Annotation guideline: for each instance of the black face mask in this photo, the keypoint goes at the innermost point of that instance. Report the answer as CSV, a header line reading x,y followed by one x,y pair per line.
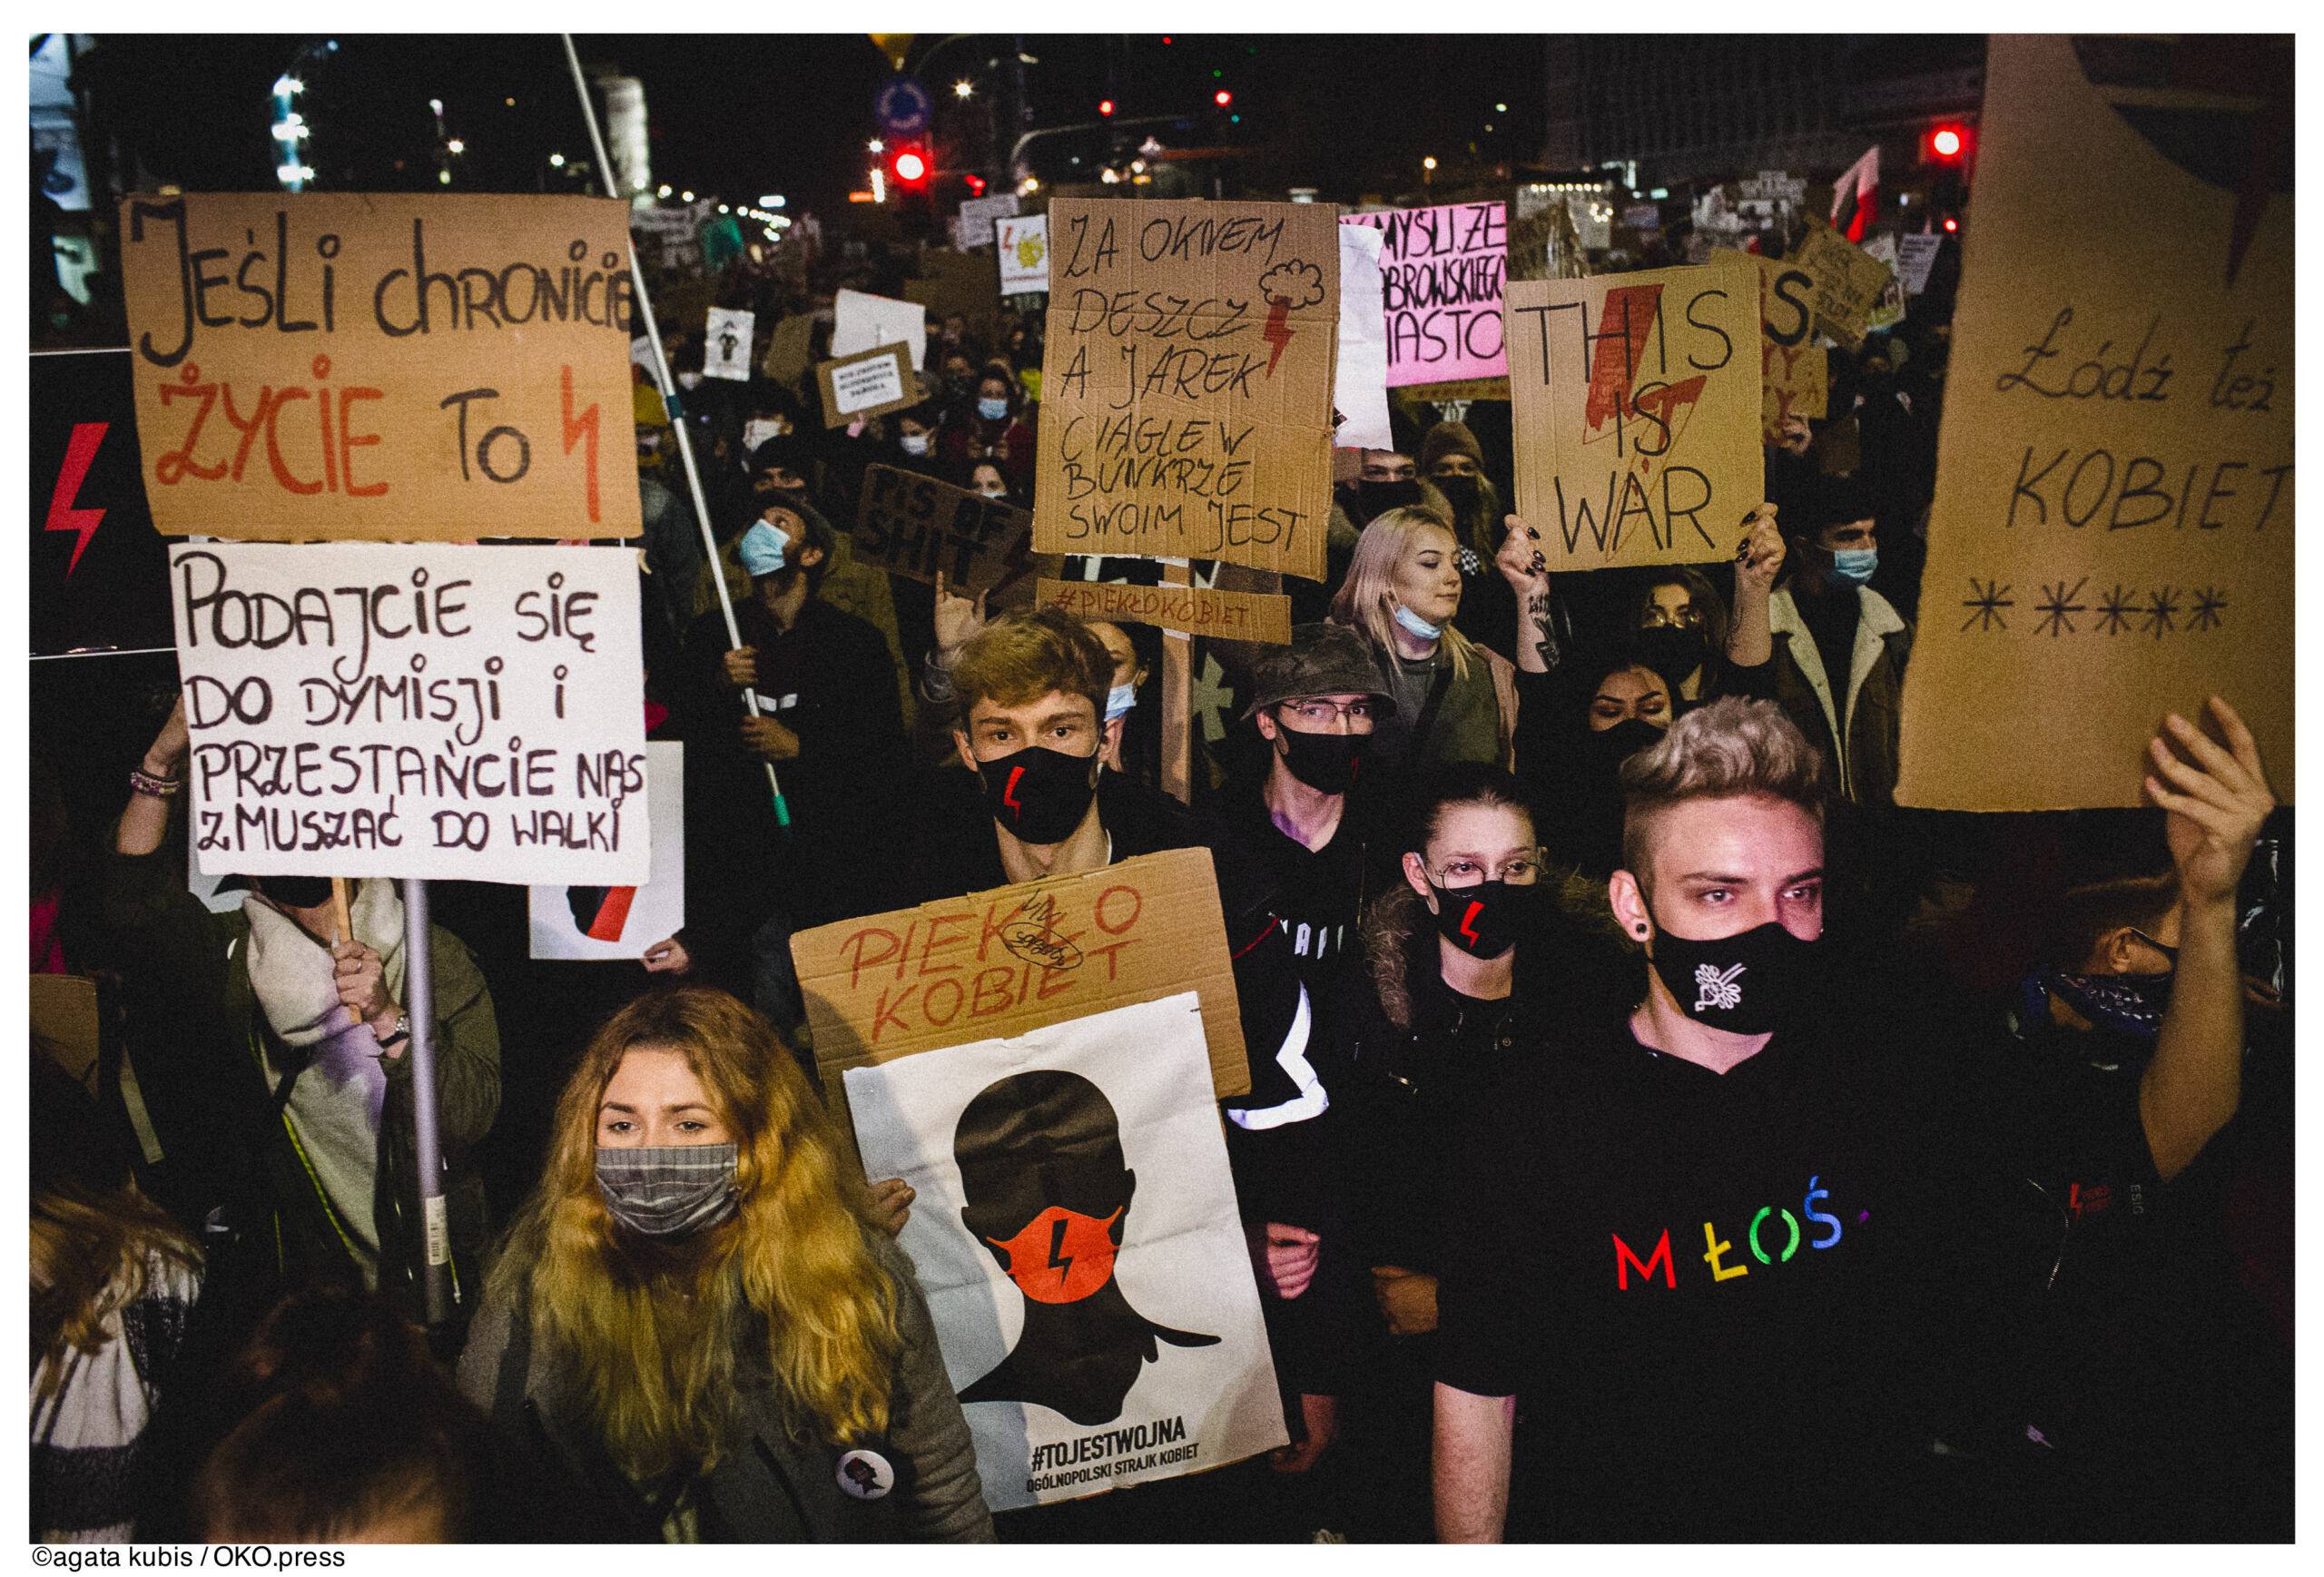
x,y
1608,748
1750,984
1373,500
1038,793
1485,920
1673,651
1326,762
294,892
1460,492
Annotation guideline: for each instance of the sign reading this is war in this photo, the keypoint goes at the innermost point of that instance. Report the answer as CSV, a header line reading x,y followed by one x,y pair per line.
x,y
1014,958
1023,246
1637,413
1795,374
1077,1234
424,710
918,527
1195,610
386,367
1186,389
1848,283
1440,277
2111,533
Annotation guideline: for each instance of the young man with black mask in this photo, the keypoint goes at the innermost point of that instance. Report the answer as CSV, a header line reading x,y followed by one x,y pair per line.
x,y
1032,688
1772,1186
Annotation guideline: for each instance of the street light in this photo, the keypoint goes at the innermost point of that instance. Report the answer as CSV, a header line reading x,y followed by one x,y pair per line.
x,y
557,161
1429,163
457,146
876,145
965,88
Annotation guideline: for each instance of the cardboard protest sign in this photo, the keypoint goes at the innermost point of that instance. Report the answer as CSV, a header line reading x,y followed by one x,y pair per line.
x,y
1795,375
1637,413
1847,284
1024,254
916,525
100,573
1077,1236
868,383
974,220
1015,957
726,344
1188,382
1916,255
618,923
1359,377
2111,535
1888,310
789,349
422,710
1235,616
861,321
966,282
1441,274
388,367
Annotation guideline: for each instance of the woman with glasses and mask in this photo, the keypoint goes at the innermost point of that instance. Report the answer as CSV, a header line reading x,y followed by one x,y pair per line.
x,y
1468,962
697,1331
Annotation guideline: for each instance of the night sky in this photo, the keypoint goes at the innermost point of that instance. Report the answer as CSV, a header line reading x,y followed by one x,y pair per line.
x,y
746,114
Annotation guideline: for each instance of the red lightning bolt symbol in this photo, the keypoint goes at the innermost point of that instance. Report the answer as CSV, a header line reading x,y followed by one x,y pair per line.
x,y
1278,332
1470,920
1009,794
79,454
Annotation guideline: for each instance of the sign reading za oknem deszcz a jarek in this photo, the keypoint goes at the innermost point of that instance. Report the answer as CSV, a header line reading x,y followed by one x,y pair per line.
x,y
1636,407
416,709
1187,387
382,367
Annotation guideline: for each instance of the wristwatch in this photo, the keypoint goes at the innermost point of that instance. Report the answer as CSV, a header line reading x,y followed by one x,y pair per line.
x,y
402,1031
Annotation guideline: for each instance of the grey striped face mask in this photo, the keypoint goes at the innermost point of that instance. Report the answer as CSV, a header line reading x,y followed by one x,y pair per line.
x,y
668,1191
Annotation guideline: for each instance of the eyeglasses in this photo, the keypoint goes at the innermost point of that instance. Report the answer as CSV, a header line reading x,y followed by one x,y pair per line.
x,y
1661,618
1322,713
1518,873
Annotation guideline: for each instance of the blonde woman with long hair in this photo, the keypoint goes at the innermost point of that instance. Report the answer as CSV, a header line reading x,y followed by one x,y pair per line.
x,y
696,1331
1455,700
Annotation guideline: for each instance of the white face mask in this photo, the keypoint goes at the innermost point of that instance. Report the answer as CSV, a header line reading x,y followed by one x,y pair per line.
x,y
756,433
993,492
914,443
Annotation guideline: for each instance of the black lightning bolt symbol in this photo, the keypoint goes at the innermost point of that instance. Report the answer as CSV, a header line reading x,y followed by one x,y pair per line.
x,y
1059,1260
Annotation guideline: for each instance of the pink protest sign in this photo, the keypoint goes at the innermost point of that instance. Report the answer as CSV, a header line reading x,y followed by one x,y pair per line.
x,y
1440,273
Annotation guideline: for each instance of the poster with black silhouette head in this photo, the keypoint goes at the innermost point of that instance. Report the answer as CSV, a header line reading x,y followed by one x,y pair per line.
x,y
1077,1236
606,924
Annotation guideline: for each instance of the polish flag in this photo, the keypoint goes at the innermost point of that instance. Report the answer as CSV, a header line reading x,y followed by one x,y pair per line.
x,y
1861,180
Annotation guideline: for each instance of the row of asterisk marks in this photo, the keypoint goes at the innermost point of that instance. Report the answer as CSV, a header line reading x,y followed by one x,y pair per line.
x,y
2065,610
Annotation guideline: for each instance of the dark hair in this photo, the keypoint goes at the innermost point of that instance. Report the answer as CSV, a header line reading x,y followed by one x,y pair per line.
x,y
2085,914
343,1420
1460,782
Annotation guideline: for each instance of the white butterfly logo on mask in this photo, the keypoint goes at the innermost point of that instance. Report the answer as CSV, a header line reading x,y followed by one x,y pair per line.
x,y
1716,987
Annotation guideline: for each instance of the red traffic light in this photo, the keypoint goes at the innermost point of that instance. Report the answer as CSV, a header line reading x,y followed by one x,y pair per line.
x,y
910,166
1951,224
1947,142
1104,107
975,185
1222,98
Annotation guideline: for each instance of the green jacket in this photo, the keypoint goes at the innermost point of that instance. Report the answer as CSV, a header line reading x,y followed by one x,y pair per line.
x,y
1864,754
201,961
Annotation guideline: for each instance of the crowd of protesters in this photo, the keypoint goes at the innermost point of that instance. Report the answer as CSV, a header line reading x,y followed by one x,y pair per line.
x,y
1655,1132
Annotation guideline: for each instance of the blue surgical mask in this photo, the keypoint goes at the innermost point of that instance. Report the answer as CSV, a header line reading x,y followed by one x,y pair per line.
x,y
1854,565
1417,625
1120,700
992,409
762,550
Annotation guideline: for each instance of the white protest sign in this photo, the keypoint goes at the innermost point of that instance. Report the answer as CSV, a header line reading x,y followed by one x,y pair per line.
x,y
413,709
1360,380
1593,220
1915,255
975,223
1077,1236
859,386
614,923
863,322
1024,246
1889,310
726,344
